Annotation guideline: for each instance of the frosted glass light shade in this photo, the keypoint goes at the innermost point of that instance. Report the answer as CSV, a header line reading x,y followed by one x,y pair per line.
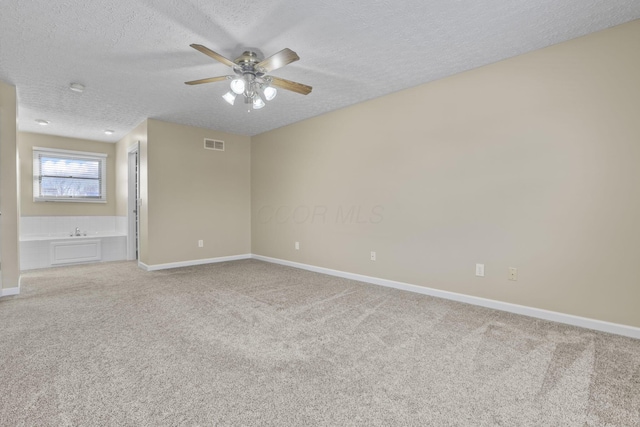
x,y
237,85
230,97
270,93
258,103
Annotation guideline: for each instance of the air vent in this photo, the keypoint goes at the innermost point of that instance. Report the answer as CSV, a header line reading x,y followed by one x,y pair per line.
x,y
212,144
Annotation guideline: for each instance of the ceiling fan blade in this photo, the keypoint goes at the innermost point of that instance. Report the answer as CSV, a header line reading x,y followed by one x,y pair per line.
x,y
292,86
209,80
278,60
213,54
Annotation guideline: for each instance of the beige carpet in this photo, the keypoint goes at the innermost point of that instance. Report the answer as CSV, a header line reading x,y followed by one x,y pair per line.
x,y
251,343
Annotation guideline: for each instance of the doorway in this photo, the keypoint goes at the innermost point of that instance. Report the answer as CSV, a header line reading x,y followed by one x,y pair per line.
x,y
133,202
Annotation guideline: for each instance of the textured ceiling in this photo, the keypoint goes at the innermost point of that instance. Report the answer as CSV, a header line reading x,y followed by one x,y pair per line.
x,y
133,56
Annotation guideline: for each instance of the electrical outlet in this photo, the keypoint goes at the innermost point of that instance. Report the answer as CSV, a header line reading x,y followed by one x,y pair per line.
x,y
201,243
480,270
513,273
373,256
297,246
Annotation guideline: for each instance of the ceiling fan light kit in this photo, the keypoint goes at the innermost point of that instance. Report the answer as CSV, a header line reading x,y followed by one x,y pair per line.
x,y
251,79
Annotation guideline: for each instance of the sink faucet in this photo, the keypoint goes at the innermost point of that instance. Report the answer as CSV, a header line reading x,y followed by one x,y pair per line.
x,y
77,231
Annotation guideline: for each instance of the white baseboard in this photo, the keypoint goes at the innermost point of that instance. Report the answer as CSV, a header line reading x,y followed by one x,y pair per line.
x,y
584,322
9,291
155,267
6,292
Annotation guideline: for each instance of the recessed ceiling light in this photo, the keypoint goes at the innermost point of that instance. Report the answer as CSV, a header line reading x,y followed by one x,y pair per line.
x,y
109,132
42,122
77,87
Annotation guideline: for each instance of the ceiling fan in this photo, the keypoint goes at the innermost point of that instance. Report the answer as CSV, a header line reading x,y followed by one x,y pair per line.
x,y
251,79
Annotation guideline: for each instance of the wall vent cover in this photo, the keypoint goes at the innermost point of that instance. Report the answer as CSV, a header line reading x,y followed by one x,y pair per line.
x,y
213,144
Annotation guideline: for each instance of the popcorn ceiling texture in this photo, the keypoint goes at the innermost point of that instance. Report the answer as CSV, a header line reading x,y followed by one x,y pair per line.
x,y
134,55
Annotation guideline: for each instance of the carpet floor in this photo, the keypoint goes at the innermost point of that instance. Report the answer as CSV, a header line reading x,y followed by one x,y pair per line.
x,y
251,343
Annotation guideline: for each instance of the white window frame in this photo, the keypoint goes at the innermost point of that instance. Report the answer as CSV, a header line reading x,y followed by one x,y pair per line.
x,y
69,154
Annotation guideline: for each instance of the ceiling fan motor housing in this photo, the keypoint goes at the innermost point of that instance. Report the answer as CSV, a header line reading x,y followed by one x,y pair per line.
x,y
247,64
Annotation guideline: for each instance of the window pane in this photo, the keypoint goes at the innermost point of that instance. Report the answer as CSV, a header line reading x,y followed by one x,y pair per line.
x,y
52,166
69,187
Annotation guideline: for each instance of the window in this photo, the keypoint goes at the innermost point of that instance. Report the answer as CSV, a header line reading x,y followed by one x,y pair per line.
x,y
69,176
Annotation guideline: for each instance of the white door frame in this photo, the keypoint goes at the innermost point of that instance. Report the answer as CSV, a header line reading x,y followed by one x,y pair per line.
x,y
133,197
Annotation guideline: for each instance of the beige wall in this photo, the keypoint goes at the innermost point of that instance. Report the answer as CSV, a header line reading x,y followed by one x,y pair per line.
x,y
194,194
26,142
530,163
10,218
